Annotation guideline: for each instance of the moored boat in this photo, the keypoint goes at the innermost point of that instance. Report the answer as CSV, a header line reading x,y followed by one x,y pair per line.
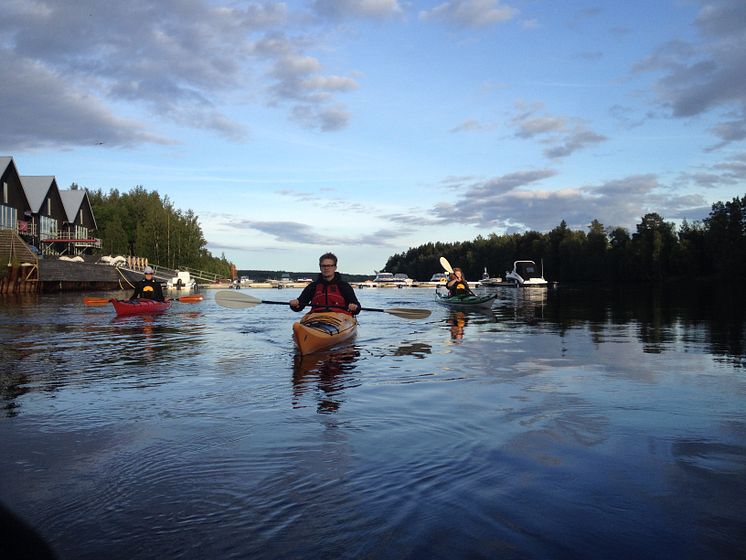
x,y
182,281
465,302
323,330
526,274
490,281
139,306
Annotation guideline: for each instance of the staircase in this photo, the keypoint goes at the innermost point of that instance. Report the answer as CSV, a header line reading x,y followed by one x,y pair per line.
x,y
19,265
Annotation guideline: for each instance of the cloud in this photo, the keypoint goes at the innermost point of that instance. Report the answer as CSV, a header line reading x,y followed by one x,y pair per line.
x,y
724,173
336,204
696,78
292,232
178,60
472,125
471,13
295,232
40,108
563,136
504,203
297,79
342,9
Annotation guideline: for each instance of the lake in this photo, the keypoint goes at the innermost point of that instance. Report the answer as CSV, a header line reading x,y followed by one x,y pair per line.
x,y
569,423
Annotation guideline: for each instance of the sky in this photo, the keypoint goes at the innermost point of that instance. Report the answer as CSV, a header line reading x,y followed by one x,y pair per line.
x,y
368,127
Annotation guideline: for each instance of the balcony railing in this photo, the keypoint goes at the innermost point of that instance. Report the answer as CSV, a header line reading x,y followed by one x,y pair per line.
x,y
69,237
22,227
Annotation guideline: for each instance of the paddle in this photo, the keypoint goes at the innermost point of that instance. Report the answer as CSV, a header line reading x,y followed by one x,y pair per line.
x,y
105,301
238,300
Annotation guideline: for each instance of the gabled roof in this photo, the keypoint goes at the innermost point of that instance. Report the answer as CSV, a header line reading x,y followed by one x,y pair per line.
x,y
36,188
72,200
5,161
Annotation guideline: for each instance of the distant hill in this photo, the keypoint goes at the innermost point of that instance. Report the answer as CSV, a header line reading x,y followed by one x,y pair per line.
x,y
260,275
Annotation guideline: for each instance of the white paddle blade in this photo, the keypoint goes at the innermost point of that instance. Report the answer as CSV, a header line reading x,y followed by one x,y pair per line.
x,y
406,313
235,300
446,265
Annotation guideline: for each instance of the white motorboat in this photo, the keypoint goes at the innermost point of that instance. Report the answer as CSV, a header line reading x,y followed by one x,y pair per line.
x,y
437,279
526,274
391,280
182,281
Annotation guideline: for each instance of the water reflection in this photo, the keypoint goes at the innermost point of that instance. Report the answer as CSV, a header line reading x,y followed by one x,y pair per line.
x,y
662,316
53,342
521,304
457,321
327,375
417,349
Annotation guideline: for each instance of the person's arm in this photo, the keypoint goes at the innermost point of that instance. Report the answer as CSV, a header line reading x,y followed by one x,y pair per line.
x,y
304,298
159,292
138,291
349,294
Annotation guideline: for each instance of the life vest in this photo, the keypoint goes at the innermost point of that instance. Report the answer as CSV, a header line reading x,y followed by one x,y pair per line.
x,y
327,297
459,288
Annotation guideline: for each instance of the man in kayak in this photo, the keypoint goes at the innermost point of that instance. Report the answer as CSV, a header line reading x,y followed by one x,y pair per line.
x,y
457,285
148,288
328,292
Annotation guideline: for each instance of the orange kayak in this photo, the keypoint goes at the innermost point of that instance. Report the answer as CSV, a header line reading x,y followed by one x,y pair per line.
x,y
320,331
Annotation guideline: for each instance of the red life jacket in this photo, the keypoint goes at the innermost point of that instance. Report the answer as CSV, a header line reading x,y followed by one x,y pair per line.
x,y
327,297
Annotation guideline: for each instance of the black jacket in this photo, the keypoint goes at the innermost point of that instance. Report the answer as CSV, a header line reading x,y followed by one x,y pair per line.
x,y
344,288
148,289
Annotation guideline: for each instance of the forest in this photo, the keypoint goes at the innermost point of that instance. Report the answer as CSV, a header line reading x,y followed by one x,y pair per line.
x,y
657,251
144,224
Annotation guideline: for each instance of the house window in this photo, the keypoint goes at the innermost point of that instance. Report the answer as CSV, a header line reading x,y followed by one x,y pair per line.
x,y
48,227
81,215
49,206
7,217
5,192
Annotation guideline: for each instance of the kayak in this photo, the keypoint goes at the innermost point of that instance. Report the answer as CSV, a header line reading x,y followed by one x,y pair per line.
x,y
466,302
139,306
319,331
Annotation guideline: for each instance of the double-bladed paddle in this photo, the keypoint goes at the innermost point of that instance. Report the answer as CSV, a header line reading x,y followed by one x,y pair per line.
x,y
105,301
238,300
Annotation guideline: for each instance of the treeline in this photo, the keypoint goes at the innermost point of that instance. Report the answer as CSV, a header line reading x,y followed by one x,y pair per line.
x,y
144,224
657,250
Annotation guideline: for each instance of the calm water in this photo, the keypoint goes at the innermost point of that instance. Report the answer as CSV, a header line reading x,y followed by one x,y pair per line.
x,y
569,424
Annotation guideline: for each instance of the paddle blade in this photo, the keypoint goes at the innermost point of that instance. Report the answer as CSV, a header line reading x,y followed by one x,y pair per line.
x,y
95,301
190,299
406,313
446,265
235,300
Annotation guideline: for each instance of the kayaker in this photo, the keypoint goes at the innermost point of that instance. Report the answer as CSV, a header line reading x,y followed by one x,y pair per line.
x,y
457,284
148,288
328,292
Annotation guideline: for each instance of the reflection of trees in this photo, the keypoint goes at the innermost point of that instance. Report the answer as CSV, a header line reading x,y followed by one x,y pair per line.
x,y
692,313
329,372
12,381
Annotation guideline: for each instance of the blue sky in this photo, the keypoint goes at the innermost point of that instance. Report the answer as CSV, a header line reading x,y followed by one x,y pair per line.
x,y
369,127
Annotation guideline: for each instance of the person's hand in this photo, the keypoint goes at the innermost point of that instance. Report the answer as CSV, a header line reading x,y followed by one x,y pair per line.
x,y
293,303
353,307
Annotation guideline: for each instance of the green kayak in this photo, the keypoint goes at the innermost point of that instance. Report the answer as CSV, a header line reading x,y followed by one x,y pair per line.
x,y
466,302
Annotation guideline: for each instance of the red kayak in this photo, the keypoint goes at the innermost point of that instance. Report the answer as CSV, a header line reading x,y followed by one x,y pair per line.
x,y
139,306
